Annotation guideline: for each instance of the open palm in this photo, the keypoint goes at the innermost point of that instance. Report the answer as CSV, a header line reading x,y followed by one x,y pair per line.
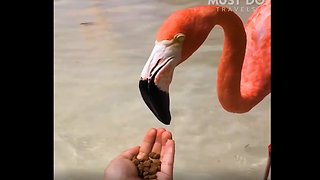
x,y
155,140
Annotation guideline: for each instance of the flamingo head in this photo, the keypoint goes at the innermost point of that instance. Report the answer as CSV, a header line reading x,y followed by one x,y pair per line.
x,y
157,75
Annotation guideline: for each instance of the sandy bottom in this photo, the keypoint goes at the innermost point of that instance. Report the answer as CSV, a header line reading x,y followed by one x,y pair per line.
x,y
99,111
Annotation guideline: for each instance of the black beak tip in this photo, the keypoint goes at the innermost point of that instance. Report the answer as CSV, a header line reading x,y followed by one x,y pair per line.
x,y
157,100
166,119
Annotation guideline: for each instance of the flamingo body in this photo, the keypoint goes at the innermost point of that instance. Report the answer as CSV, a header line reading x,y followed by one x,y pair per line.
x,y
256,70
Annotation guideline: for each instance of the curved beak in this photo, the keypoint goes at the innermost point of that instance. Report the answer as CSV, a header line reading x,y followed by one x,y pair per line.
x,y
156,77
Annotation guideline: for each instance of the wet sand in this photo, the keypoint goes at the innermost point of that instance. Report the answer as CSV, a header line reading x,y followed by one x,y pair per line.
x,y
100,50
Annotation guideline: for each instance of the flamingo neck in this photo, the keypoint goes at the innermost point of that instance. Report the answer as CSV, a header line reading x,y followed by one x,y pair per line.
x,y
196,23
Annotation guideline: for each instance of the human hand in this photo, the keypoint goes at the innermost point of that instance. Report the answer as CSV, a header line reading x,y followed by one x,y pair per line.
x,y
155,140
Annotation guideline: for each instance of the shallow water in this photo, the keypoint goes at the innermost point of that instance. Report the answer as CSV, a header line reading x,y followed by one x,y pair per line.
x,y
100,50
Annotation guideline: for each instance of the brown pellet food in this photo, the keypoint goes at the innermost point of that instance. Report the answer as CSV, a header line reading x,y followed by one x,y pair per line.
x,y
148,166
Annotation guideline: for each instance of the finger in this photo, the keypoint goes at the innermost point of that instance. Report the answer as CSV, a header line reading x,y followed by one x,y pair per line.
x,y
165,136
130,152
168,158
147,143
158,143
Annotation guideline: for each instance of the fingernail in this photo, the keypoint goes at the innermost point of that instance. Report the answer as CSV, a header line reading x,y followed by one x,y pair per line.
x,y
140,156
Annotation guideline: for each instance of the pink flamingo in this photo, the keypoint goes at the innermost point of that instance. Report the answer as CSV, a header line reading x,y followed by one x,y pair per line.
x,y
244,70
